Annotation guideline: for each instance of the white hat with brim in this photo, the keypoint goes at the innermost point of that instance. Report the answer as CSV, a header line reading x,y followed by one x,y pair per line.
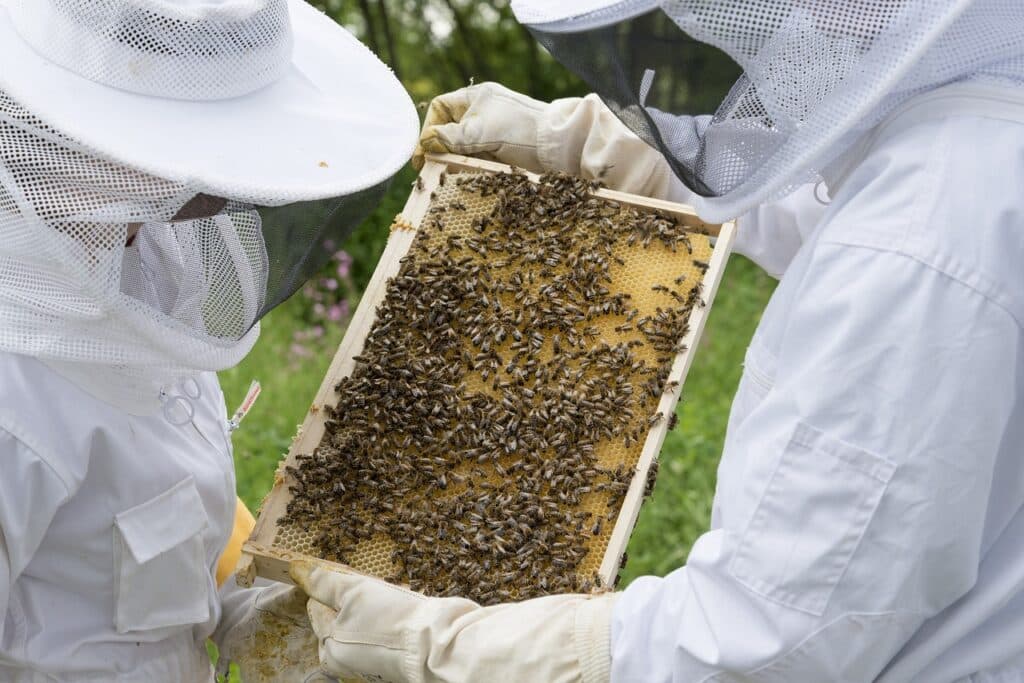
x,y
331,122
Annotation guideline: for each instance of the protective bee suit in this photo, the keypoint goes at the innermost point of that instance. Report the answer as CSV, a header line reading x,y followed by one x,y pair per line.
x,y
869,513
169,172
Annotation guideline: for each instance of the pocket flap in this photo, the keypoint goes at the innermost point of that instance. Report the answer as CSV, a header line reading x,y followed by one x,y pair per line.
x,y
164,522
809,522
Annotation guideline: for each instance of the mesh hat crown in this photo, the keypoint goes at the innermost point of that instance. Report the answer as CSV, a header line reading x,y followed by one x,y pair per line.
x,y
269,100
183,49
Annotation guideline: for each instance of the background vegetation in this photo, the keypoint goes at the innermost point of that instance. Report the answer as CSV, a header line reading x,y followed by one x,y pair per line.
x,y
439,45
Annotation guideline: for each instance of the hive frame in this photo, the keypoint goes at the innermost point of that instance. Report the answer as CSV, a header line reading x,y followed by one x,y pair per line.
x,y
261,558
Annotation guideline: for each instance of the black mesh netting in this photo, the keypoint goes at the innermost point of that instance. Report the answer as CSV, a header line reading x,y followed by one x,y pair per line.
x,y
301,239
663,84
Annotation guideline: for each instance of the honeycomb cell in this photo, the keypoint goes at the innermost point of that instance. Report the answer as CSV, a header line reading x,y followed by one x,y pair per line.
x,y
638,270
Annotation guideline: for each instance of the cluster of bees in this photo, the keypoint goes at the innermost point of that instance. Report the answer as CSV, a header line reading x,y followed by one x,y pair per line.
x,y
472,436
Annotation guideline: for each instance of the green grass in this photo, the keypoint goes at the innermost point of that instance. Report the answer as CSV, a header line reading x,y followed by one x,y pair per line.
x,y
670,521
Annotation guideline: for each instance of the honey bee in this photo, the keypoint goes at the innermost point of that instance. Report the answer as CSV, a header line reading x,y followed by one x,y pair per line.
x,y
463,438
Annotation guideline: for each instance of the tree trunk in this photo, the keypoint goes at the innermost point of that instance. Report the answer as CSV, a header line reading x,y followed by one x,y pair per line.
x,y
468,38
389,38
532,61
371,26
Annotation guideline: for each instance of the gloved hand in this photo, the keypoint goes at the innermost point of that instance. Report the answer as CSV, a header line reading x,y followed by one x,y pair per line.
x,y
372,629
575,135
274,643
487,120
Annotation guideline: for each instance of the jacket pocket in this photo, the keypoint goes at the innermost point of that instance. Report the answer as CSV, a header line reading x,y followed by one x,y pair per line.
x,y
814,511
162,580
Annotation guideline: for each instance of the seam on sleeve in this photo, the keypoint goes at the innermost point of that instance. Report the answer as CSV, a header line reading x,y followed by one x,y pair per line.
x,y
781,660
26,440
872,465
999,302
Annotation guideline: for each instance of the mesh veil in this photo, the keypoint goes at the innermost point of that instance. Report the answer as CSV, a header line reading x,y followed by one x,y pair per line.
x,y
812,76
186,295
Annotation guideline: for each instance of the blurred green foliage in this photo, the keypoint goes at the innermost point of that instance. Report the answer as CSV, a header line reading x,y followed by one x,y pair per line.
x,y
435,46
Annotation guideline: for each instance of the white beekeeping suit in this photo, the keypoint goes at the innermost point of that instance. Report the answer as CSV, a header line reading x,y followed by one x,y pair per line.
x,y
169,172
868,522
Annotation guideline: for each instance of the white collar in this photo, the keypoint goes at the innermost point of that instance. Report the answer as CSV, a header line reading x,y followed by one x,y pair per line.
x,y
112,385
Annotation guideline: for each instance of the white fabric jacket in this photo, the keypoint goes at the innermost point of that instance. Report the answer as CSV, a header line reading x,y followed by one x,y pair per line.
x,y
110,530
868,521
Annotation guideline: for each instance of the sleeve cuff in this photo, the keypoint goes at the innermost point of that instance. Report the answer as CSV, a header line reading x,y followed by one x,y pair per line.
x,y
593,638
560,138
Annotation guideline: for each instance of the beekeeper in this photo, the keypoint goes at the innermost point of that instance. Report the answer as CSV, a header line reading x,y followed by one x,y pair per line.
x,y
868,522
170,170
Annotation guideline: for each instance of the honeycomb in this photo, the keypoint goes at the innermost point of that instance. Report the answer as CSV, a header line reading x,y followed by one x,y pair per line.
x,y
637,271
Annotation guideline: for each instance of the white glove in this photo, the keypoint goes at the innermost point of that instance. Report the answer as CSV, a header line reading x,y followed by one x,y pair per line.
x,y
487,120
573,135
273,642
376,630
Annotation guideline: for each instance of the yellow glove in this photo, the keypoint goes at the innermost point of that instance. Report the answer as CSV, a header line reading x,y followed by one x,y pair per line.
x,y
372,629
244,524
269,638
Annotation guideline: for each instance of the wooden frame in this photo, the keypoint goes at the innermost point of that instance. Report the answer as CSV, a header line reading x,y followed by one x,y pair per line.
x,y
260,558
